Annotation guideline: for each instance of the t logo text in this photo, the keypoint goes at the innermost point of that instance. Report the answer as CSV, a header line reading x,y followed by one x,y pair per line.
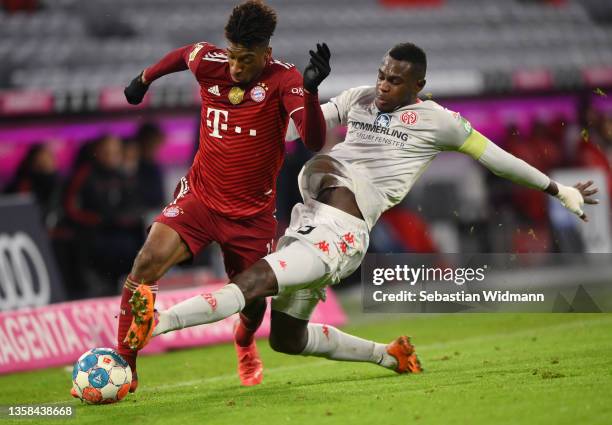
x,y
215,123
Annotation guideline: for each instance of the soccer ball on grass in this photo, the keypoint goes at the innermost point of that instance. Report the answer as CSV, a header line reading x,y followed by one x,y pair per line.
x,y
100,376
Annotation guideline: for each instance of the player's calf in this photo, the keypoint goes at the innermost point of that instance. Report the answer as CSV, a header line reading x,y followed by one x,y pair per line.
x,y
162,249
331,343
288,334
149,263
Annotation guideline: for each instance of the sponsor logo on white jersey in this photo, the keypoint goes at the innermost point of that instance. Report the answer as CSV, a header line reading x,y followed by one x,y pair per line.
x,y
214,90
409,117
383,120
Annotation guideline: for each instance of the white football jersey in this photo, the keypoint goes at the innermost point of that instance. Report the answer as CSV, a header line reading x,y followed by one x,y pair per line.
x,y
383,154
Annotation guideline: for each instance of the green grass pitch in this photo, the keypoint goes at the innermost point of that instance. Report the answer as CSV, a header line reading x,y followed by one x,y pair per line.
x,y
480,369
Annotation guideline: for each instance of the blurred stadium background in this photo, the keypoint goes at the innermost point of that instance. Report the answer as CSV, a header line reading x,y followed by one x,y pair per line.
x,y
83,172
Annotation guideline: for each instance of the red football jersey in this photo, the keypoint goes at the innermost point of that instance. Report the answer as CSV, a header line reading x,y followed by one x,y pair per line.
x,y
242,129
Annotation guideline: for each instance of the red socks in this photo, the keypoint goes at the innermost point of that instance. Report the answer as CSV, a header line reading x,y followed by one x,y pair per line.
x,y
125,320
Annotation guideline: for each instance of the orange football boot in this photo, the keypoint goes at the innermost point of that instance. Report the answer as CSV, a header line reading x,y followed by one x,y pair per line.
x,y
403,351
250,366
144,318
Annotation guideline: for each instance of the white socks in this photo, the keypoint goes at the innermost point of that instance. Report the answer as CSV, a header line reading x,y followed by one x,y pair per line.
x,y
329,342
323,341
205,308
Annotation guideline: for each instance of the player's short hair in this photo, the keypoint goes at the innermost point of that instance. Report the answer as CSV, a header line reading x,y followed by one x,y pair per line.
x,y
251,24
412,53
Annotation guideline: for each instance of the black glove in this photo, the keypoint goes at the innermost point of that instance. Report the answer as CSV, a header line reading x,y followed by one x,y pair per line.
x,y
136,90
318,68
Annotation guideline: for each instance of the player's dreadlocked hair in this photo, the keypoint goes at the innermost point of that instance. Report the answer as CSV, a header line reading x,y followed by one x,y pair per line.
x,y
251,24
412,53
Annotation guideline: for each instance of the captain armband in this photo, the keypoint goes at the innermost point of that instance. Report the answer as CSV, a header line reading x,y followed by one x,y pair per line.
x,y
474,145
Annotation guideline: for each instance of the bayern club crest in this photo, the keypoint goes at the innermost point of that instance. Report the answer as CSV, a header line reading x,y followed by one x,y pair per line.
x,y
258,94
172,211
383,120
409,117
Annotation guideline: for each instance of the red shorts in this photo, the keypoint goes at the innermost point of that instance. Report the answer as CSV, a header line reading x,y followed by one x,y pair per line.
x,y
242,241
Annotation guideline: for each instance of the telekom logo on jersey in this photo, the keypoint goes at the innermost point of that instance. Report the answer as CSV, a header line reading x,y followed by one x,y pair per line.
x,y
216,119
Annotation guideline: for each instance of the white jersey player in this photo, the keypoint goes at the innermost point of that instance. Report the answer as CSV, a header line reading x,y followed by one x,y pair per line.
x,y
392,137
384,154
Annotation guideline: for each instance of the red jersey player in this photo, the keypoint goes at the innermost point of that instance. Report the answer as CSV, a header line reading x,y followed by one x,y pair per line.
x,y
228,195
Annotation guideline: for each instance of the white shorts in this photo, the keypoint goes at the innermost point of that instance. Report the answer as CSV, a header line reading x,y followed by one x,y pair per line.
x,y
321,246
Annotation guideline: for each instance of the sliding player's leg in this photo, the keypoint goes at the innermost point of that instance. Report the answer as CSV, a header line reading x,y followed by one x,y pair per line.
x,y
291,335
259,281
162,249
310,257
325,232
244,243
283,272
291,332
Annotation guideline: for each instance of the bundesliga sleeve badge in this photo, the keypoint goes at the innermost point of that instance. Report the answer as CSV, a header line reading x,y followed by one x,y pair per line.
x,y
235,96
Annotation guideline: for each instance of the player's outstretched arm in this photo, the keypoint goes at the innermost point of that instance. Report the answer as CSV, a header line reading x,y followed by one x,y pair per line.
x,y
508,166
173,62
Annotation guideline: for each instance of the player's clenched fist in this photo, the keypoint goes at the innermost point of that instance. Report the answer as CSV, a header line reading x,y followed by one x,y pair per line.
x,y
318,68
135,91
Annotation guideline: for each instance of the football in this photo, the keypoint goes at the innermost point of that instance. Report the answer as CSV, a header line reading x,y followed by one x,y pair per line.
x,y
100,376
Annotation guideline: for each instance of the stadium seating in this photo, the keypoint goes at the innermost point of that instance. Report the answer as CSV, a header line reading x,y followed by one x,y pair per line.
x,y
66,46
